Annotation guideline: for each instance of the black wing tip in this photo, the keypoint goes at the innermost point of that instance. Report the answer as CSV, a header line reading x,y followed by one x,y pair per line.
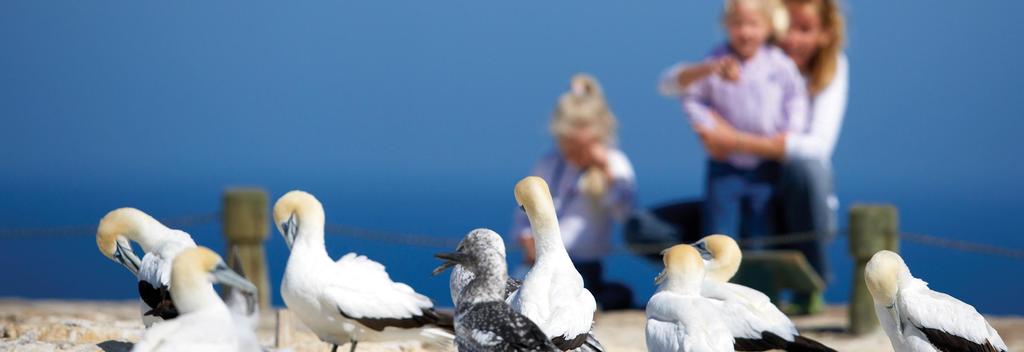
x,y
801,343
770,341
566,344
427,317
949,342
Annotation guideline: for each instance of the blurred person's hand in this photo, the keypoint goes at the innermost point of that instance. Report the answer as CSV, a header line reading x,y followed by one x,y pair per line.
x,y
720,139
598,155
529,251
728,68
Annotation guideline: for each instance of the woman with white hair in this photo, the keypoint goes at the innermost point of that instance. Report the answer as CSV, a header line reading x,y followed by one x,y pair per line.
x,y
592,185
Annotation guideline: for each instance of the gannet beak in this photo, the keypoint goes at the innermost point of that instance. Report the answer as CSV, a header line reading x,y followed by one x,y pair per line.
x,y
224,275
450,260
660,278
290,229
894,311
126,256
702,248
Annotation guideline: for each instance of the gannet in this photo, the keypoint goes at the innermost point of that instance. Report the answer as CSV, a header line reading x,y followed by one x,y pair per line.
x,y
755,322
483,321
552,294
160,245
918,319
679,318
350,300
204,323
461,276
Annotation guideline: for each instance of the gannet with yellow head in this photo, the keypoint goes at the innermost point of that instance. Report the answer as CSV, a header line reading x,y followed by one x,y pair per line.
x,y
679,318
755,323
205,323
353,299
918,319
552,294
722,256
160,244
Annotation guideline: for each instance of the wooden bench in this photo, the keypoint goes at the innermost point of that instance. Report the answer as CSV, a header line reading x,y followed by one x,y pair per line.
x,y
771,271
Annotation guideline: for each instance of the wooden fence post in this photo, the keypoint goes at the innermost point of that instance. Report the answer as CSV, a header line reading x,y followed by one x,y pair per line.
x,y
245,218
872,228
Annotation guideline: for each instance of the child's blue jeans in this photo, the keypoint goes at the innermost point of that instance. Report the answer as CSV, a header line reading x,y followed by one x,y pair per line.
x,y
738,202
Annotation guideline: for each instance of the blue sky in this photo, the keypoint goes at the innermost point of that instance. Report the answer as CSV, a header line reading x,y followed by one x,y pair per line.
x,y
415,116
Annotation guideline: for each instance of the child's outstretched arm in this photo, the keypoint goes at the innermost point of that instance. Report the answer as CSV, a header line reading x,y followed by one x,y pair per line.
x,y
675,80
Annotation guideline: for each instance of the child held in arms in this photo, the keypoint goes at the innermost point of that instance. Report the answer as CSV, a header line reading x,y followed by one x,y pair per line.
x,y
591,183
756,88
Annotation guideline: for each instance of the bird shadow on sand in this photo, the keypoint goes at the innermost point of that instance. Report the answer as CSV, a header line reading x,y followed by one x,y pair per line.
x,y
115,346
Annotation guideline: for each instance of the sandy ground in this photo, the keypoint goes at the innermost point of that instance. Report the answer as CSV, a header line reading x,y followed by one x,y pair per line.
x,y
33,325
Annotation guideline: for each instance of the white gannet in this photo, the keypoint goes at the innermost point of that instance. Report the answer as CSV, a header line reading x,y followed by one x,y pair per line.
x,y
461,276
350,300
552,294
204,323
483,321
918,319
679,318
755,322
160,245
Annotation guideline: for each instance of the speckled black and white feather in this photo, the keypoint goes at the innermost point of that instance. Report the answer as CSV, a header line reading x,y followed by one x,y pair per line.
x,y
483,321
494,326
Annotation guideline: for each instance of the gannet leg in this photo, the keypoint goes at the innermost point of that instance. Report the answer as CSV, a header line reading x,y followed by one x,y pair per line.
x,y
354,343
335,349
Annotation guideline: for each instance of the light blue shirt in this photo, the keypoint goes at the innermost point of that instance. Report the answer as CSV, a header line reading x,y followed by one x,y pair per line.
x,y
586,224
769,98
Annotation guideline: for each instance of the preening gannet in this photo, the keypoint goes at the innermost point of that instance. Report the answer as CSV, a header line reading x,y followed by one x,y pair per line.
x,y
160,245
679,318
552,294
204,323
918,319
350,300
483,321
755,322
461,276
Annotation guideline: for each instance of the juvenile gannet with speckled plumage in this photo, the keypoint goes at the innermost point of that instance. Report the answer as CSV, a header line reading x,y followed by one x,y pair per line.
x,y
755,322
160,245
552,294
679,318
483,321
205,323
918,319
350,300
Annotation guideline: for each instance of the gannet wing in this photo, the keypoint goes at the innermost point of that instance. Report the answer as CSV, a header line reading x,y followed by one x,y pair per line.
x,y
748,314
571,317
154,277
155,270
664,330
949,323
494,326
362,290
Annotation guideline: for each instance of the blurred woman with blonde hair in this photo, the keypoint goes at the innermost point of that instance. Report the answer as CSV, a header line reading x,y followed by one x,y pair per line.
x,y
591,182
813,40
